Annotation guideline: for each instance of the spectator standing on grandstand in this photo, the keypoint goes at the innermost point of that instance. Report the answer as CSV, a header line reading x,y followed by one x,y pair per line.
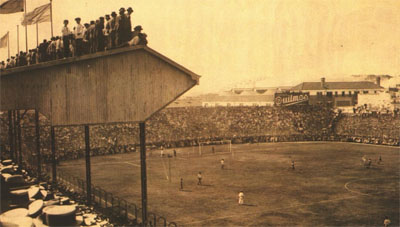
x,y
129,23
51,49
8,65
241,198
386,222
79,32
86,38
65,37
59,47
139,38
380,159
106,32
112,36
71,47
120,27
222,163
99,27
199,178
293,165
181,183
174,153
2,66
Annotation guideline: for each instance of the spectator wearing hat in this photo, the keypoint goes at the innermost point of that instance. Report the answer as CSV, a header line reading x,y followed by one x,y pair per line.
x,y
59,47
120,28
65,38
99,27
13,62
8,64
51,49
106,31
2,65
86,37
139,38
129,23
91,33
112,30
78,33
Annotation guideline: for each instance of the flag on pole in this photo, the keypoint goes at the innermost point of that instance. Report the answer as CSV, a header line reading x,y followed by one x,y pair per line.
x,y
11,6
4,40
38,15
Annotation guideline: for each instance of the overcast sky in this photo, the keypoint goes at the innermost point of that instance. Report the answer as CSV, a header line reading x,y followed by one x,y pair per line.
x,y
232,42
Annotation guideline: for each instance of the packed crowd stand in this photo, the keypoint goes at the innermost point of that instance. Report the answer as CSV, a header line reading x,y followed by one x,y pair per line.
x,y
106,33
180,127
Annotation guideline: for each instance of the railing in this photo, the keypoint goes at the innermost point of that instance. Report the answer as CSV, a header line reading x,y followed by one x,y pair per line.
x,y
117,209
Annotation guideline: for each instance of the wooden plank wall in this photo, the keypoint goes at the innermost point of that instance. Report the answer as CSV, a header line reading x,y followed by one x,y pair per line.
x,y
126,87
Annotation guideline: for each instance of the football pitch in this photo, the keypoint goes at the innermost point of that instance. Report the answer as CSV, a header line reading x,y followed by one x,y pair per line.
x,y
328,186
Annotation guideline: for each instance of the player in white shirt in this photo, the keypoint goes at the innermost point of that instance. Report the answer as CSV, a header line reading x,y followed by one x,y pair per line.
x,y
241,198
79,32
199,178
222,163
386,222
66,32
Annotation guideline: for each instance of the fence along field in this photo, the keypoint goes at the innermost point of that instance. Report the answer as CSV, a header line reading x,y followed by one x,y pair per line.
x,y
329,185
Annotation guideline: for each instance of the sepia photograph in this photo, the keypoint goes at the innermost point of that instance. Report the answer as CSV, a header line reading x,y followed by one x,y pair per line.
x,y
199,113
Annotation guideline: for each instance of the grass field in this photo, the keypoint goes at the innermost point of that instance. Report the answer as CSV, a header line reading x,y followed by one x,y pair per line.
x,y
329,185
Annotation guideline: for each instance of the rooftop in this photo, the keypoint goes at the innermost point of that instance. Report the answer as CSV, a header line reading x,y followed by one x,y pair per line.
x,y
336,85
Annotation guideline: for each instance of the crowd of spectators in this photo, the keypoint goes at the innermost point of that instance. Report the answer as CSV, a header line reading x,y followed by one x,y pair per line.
x,y
370,128
179,127
105,33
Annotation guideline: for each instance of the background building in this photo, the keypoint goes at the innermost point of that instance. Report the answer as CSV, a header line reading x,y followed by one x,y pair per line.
x,y
338,94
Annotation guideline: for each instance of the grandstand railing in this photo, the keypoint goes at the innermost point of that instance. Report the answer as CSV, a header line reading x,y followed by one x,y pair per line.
x,y
117,209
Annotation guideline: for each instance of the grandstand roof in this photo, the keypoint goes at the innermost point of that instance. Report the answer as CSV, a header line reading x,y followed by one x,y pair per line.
x,y
249,93
240,98
336,85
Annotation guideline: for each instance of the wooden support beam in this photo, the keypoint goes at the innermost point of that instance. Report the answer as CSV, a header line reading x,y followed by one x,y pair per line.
x,y
53,155
19,138
142,135
38,156
10,133
88,173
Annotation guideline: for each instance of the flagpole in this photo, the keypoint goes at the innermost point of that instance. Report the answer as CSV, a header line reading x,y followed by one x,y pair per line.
x,y
51,17
37,34
8,43
26,30
18,39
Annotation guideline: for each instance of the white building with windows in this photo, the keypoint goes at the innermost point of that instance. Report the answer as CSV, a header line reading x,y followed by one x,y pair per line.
x,y
338,94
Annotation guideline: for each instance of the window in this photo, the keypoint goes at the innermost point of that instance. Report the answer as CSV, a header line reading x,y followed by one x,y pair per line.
x,y
336,93
319,93
365,92
329,94
356,92
349,92
343,93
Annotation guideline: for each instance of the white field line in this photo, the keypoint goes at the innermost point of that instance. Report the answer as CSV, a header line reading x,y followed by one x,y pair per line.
x,y
346,186
132,164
